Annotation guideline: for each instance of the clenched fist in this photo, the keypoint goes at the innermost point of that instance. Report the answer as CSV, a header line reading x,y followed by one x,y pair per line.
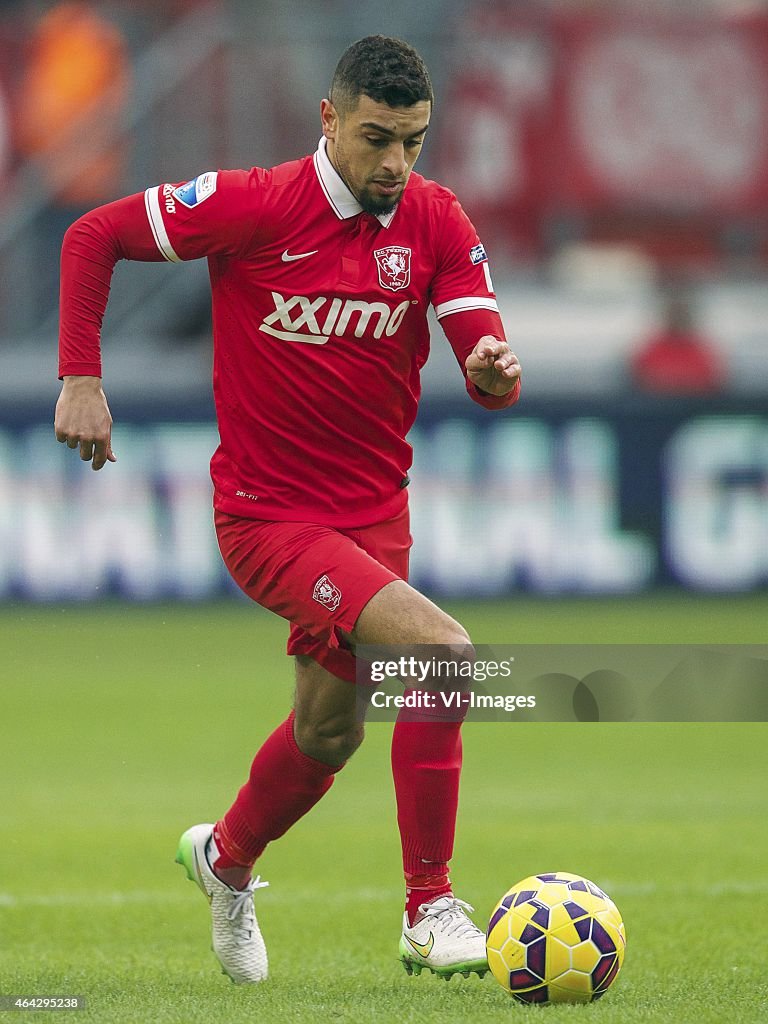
x,y
83,420
492,366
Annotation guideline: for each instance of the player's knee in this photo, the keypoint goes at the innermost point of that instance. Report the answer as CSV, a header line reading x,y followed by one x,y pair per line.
x,y
332,742
459,647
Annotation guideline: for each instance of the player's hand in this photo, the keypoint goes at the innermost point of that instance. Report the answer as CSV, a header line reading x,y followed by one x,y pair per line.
x,y
492,366
83,420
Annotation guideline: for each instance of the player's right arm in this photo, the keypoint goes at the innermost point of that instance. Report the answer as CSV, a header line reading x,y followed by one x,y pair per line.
x,y
214,214
83,419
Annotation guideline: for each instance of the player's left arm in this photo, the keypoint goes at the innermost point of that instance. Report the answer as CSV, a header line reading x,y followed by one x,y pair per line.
x,y
465,304
491,368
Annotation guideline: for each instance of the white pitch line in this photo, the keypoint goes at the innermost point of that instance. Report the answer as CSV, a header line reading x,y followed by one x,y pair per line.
x,y
90,899
729,887
139,896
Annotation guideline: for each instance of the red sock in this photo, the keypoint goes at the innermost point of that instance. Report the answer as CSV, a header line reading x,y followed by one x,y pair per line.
x,y
426,765
423,889
283,785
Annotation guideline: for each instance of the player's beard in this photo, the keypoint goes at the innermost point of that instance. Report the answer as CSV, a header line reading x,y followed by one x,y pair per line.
x,y
376,205
370,202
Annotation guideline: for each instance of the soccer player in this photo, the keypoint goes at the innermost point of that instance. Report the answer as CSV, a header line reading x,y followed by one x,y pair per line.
x,y
321,272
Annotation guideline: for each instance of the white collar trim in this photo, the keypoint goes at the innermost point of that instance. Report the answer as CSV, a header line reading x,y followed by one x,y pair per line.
x,y
341,200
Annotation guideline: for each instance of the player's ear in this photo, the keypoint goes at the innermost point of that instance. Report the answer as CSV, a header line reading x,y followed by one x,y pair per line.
x,y
330,119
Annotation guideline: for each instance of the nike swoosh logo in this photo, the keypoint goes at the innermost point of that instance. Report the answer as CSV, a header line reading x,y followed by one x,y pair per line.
x,y
424,950
288,258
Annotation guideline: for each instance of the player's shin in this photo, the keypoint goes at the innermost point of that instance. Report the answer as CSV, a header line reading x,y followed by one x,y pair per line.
x,y
284,783
426,763
426,766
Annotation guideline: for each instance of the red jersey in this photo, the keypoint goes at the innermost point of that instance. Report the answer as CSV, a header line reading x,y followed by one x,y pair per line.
x,y
319,320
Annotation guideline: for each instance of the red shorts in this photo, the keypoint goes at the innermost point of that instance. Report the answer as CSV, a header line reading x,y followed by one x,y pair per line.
x,y
318,577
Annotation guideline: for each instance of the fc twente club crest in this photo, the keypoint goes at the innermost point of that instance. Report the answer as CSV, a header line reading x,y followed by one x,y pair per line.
x,y
394,264
327,593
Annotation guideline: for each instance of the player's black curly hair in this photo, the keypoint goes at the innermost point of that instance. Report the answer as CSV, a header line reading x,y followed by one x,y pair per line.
x,y
386,69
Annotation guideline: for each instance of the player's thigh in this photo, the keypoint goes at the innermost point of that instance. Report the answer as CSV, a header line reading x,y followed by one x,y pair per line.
x,y
399,614
316,577
327,713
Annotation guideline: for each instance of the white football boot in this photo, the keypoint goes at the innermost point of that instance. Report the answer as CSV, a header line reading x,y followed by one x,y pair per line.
x,y
237,941
444,940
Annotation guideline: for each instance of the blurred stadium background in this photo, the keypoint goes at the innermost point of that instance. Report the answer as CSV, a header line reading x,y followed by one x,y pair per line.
x,y
616,164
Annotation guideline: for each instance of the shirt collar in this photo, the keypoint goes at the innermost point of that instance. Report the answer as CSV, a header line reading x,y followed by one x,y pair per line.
x,y
342,202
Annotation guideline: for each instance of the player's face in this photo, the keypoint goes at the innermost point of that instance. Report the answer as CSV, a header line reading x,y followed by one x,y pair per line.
x,y
374,147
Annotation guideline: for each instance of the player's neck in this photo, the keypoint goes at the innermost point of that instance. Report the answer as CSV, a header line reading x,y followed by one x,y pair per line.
x,y
330,149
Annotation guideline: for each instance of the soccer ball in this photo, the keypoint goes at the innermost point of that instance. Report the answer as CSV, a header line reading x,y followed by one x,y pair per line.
x,y
555,938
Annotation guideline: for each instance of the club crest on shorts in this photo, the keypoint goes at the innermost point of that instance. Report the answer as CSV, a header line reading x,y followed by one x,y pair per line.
x,y
394,266
327,593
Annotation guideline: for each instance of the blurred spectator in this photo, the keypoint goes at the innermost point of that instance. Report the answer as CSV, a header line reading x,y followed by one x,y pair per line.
x,y
71,102
8,48
78,67
677,360
5,140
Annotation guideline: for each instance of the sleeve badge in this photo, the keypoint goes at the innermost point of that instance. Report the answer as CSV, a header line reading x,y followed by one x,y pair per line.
x,y
477,254
197,190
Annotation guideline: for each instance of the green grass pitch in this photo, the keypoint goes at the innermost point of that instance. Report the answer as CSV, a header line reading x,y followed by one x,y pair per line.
x,y
121,726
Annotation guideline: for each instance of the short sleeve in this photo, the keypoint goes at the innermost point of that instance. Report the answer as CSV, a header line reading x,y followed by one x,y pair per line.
x,y
213,214
462,278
